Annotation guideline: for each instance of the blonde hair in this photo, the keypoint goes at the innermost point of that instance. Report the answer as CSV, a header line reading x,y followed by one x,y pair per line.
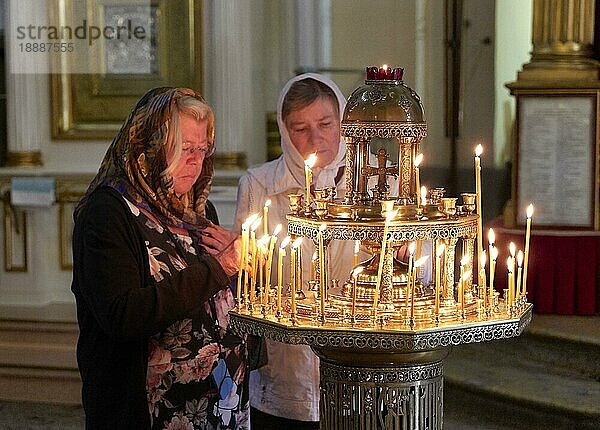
x,y
201,111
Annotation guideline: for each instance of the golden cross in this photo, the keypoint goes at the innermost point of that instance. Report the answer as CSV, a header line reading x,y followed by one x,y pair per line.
x,y
382,172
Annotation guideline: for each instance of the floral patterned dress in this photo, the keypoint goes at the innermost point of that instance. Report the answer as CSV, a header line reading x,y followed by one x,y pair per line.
x,y
197,375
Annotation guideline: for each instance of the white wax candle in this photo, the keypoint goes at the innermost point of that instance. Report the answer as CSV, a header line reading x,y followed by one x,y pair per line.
x,y
478,151
527,237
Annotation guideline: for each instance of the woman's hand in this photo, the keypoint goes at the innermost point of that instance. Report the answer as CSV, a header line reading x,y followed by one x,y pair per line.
x,y
224,246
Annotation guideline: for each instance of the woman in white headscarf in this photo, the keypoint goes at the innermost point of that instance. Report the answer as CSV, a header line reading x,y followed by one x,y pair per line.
x,y
285,392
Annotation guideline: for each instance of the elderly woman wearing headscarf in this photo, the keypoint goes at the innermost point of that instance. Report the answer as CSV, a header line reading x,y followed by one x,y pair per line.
x,y
285,392
150,277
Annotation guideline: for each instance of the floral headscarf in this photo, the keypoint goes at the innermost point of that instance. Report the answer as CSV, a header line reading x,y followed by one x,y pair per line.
x,y
135,163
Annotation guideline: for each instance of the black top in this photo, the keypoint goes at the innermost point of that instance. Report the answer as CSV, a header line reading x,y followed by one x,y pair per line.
x,y
119,306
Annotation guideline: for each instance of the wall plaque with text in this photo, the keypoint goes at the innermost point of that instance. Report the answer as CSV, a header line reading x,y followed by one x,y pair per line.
x,y
556,159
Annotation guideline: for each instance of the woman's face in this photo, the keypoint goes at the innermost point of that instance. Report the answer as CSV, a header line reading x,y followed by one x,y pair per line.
x,y
194,148
315,128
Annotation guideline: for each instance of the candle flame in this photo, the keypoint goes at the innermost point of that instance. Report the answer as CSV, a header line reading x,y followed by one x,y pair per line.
x,y
464,260
385,66
418,159
411,248
268,203
285,242
391,215
520,258
322,227
255,224
423,194
440,250
311,160
466,275
297,243
482,259
251,219
358,270
421,261
509,264
530,210
494,253
277,230
491,236
262,242
478,150
356,246
314,256
512,248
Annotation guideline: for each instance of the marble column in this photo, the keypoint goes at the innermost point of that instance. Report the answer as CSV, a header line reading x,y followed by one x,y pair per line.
x,y
229,81
25,80
313,34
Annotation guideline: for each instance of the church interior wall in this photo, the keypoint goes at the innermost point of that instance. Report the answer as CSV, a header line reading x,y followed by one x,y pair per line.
x,y
405,33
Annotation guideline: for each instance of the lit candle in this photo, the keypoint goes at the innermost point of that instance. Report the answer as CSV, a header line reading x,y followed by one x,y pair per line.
x,y
322,228
511,282
438,275
526,259
308,165
482,286
355,274
262,251
519,272
249,289
461,283
418,264
272,242
478,151
389,216
411,255
356,249
423,195
280,256
418,160
242,259
491,240
313,266
513,251
266,216
245,255
493,257
295,246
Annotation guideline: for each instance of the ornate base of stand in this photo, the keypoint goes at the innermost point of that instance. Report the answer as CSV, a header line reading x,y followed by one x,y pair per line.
x,y
382,378
381,390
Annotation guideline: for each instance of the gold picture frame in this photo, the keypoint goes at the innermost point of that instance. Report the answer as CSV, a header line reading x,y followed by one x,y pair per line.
x,y
15,237
66,206
94,105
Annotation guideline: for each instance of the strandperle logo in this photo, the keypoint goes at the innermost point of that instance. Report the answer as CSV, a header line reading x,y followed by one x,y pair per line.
x,y
91,33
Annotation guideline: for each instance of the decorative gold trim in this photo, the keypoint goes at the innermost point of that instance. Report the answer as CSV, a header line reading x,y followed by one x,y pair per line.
x,y
230,160
20,229
24,159
385,130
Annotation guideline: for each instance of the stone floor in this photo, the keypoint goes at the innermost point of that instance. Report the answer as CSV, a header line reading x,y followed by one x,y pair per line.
x,y
499,401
